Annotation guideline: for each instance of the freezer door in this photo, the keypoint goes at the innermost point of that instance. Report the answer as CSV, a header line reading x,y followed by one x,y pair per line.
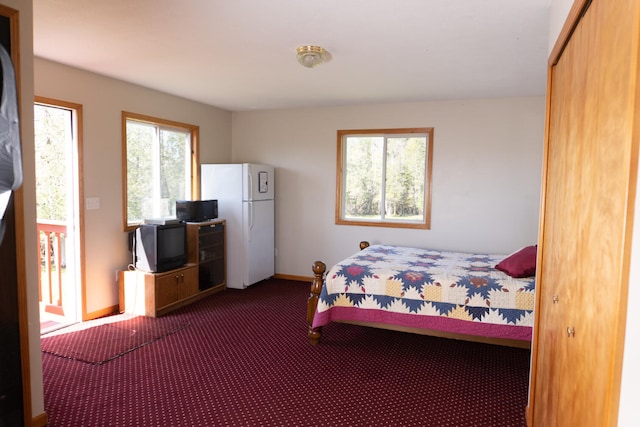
x,y
259,182
259,241
221,182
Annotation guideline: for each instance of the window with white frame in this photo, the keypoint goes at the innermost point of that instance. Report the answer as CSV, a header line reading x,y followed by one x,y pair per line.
x,y
160,166
384,177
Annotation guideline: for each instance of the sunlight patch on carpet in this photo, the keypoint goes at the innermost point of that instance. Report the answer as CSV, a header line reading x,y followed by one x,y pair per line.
x,y
100,344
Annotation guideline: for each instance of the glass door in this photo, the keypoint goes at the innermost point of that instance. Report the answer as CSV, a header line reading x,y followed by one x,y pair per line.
x,y
57,147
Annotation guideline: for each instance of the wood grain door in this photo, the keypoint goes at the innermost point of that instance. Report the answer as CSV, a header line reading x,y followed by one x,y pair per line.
x,y
588,194
188,285
167,288
15,382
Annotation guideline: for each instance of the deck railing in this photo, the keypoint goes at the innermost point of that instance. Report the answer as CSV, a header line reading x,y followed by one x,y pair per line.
x,y
51,235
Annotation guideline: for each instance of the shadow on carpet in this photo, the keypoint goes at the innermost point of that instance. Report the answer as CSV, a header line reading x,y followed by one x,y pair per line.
x,y
100,344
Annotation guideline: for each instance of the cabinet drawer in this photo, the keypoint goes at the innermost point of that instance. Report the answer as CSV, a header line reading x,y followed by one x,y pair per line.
x,y
208,229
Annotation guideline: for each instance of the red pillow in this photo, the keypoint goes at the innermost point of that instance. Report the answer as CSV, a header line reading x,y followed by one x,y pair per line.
x,y
521,263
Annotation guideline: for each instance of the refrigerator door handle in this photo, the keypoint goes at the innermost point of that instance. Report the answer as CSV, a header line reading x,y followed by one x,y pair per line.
x,y
250,183
250,206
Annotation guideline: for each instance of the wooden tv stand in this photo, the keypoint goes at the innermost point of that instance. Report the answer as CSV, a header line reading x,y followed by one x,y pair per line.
x,y
155,294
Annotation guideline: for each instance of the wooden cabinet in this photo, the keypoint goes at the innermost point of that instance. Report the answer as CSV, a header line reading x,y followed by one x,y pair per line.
x,y
586,226
155,294
174,286
206,248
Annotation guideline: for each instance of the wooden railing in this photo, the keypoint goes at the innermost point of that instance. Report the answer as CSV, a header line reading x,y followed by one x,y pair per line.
x,y
51,235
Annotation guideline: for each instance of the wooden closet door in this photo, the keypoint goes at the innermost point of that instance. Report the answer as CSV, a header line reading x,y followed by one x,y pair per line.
x,y
15,387
589,181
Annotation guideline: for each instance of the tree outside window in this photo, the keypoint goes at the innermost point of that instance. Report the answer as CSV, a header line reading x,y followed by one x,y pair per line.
x,y
52,127
161,166
384,177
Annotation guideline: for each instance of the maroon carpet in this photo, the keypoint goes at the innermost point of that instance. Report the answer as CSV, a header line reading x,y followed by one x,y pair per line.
x,y
103,343
243,360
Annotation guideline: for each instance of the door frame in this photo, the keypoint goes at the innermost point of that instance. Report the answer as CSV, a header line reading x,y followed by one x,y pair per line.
x,y
79,204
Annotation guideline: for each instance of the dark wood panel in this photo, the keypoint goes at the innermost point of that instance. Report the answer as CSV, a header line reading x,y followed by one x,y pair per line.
x,y
11,407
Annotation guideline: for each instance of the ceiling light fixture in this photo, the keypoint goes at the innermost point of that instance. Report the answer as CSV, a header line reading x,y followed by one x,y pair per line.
x,y
312,56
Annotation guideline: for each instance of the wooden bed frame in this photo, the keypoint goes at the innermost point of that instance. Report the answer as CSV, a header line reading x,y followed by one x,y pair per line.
x,y
319,269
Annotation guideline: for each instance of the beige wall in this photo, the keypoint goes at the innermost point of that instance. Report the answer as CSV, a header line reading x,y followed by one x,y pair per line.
x,y
103,100
486,175
559,11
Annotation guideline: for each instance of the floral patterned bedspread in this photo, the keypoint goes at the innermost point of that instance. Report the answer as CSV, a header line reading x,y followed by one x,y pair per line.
x,y
448,291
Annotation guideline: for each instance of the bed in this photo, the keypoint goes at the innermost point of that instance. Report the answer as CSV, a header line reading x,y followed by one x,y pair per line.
x,y
475,297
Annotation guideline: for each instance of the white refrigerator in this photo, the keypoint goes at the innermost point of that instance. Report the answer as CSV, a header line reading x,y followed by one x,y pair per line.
x,y
245,194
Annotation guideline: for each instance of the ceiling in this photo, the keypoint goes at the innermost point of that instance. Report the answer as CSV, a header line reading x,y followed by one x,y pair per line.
x,y
241,54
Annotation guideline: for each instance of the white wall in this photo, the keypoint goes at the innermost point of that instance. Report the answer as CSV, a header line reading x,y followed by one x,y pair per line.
x,y
103,99
559,12
486,175
629,413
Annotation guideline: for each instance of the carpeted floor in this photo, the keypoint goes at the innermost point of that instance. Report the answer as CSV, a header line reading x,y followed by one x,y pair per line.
x,y
244,360
103,343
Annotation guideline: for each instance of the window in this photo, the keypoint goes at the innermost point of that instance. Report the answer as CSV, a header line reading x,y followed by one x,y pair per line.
x,y
384,177
161,166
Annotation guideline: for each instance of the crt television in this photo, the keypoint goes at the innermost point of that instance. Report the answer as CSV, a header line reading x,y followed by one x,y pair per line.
x,y
160,247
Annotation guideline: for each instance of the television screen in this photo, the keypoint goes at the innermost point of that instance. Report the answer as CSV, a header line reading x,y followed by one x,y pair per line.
x,y
171,242
159,248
